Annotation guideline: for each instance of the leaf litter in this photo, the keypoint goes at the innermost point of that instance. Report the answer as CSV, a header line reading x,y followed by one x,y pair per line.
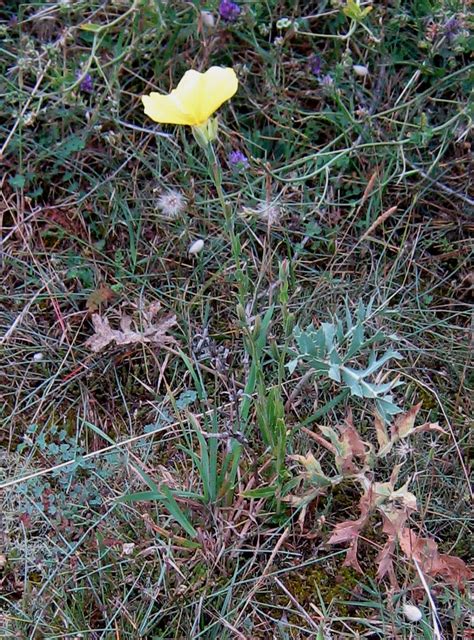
x,y
146,329
355,459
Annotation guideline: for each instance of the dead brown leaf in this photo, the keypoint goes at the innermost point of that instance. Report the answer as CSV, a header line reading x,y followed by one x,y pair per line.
x,y
384,560
394,505
381,433
352,445
150,331
100,296
404,422
351,557
346,531
347,445
425,551
393,521
429,426
350,530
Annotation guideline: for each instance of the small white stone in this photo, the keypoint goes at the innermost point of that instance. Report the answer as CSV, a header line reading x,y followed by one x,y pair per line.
x,y
208,19
412,613
196,247
360,70
38,357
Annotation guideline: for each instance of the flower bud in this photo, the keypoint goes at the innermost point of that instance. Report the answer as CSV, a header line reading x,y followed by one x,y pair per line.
x,y
205,133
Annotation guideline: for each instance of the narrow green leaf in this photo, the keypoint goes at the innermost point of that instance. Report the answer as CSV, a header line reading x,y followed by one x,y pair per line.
x,y
262,492
91,26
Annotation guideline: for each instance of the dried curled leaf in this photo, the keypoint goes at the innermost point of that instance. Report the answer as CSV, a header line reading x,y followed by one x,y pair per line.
x,y
403,427
347,531
404,422
351,446
150,332
313,473
395,506
425,551
382,435
347,445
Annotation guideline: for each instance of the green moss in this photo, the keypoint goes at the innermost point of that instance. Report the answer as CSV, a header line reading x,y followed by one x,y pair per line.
x,y
329,584
428,400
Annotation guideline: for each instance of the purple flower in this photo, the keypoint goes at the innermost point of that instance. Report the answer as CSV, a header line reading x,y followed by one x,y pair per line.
x,y
452,28
238,160
315,65
229,11
327,80
87,86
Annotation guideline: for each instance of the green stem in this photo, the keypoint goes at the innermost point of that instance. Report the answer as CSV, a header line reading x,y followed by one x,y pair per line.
x,y
236,249
243,287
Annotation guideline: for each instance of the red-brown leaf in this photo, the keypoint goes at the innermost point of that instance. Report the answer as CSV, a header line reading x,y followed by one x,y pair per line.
x,y
384,561
346,531
351,557
432,563
381,432
404,422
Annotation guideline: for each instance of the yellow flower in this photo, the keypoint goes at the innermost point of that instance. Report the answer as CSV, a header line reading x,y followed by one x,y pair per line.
x,y
195,98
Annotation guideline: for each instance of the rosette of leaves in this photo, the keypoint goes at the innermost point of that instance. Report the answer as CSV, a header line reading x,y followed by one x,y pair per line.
x,y
335,351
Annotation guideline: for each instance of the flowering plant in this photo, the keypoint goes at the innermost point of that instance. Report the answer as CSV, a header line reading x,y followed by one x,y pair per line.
x,y
193,102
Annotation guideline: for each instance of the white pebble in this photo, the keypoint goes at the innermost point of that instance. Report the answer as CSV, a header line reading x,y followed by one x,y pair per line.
x,y
208,19
360,70
196,247
412,613
38,357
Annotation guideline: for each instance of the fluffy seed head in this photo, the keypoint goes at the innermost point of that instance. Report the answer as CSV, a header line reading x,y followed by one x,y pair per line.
x,y
269,212
171,203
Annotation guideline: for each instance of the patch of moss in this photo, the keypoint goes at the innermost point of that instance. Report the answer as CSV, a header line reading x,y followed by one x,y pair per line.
x,y
428,400
329,584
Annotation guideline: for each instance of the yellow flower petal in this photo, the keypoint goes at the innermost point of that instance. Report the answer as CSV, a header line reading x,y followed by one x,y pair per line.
x,y
195,98
165,110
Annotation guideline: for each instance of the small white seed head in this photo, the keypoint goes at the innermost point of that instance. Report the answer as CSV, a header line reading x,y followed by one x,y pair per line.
x,y
269,212
171,203
127,548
